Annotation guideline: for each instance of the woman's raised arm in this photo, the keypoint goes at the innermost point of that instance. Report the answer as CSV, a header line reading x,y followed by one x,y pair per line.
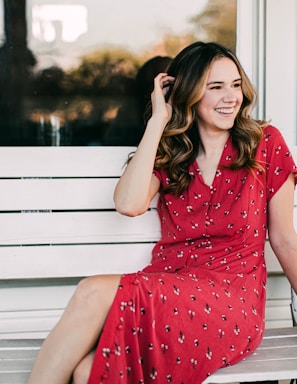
x,y
138,185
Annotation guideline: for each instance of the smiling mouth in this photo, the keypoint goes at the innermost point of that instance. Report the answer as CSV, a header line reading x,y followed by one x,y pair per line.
x,y
225,111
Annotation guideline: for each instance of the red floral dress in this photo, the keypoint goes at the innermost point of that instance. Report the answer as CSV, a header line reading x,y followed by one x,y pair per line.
x,y
200,304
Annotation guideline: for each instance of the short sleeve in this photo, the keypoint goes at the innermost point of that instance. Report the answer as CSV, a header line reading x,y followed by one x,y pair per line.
x,y
162,175
278,160
157,173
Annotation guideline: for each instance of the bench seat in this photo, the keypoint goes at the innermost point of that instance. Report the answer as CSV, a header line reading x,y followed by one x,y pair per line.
x,y
275,359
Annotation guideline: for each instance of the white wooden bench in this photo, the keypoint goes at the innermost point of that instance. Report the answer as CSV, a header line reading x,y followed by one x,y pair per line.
x,y
58,225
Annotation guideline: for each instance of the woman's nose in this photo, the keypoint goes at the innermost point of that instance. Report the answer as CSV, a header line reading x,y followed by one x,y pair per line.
x,y
229,95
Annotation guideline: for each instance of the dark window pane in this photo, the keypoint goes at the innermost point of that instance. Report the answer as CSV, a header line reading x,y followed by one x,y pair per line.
x,y
81,73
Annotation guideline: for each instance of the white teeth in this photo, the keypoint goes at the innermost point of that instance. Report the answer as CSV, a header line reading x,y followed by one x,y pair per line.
x,y
225,110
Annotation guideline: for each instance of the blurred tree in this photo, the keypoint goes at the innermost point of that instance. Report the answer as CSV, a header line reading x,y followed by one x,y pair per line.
x,y
217,23
48,82
170,45
106,71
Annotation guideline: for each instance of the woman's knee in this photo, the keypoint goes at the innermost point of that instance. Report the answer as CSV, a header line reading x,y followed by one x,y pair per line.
x,y
97,289
82,371
80,376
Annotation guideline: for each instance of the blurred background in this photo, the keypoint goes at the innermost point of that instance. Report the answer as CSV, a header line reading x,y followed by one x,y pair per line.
x,y
80,72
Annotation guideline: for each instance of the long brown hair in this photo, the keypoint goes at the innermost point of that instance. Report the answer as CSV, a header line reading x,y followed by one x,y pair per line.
x,y
180,142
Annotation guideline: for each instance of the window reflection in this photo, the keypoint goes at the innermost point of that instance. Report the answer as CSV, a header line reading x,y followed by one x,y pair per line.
x,y
56,22
80,72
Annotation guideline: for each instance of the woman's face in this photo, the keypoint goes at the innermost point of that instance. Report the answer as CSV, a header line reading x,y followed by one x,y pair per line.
x,y
222,98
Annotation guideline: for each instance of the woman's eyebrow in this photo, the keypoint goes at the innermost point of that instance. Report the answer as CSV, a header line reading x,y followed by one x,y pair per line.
x,y
222,82
215,82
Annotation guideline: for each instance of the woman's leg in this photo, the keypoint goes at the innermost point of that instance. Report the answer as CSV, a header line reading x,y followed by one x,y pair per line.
x,y
77,331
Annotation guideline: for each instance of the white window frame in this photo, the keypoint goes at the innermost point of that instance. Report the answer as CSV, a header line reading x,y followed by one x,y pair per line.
x,y
267,48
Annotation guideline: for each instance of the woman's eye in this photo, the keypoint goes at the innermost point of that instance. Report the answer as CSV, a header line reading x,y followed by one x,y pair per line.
x,y
215,87
237,85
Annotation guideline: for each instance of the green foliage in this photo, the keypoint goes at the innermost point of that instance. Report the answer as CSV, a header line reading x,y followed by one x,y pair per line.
x,y
103,72
217,23
173,44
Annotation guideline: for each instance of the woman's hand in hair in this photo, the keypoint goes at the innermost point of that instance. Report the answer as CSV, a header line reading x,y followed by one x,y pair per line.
x,y
161,93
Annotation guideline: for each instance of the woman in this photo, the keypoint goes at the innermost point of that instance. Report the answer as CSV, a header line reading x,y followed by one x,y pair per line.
x,y
224,179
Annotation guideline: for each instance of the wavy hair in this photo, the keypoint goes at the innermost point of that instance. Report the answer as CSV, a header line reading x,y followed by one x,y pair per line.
x,y
180,141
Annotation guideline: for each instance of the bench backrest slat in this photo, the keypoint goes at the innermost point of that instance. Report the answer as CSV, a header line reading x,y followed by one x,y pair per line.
x,y
63,161
56,194
77,228
41,262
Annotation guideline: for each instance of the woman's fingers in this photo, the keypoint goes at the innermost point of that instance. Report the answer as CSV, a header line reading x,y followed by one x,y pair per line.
x,y
160,105
163,80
